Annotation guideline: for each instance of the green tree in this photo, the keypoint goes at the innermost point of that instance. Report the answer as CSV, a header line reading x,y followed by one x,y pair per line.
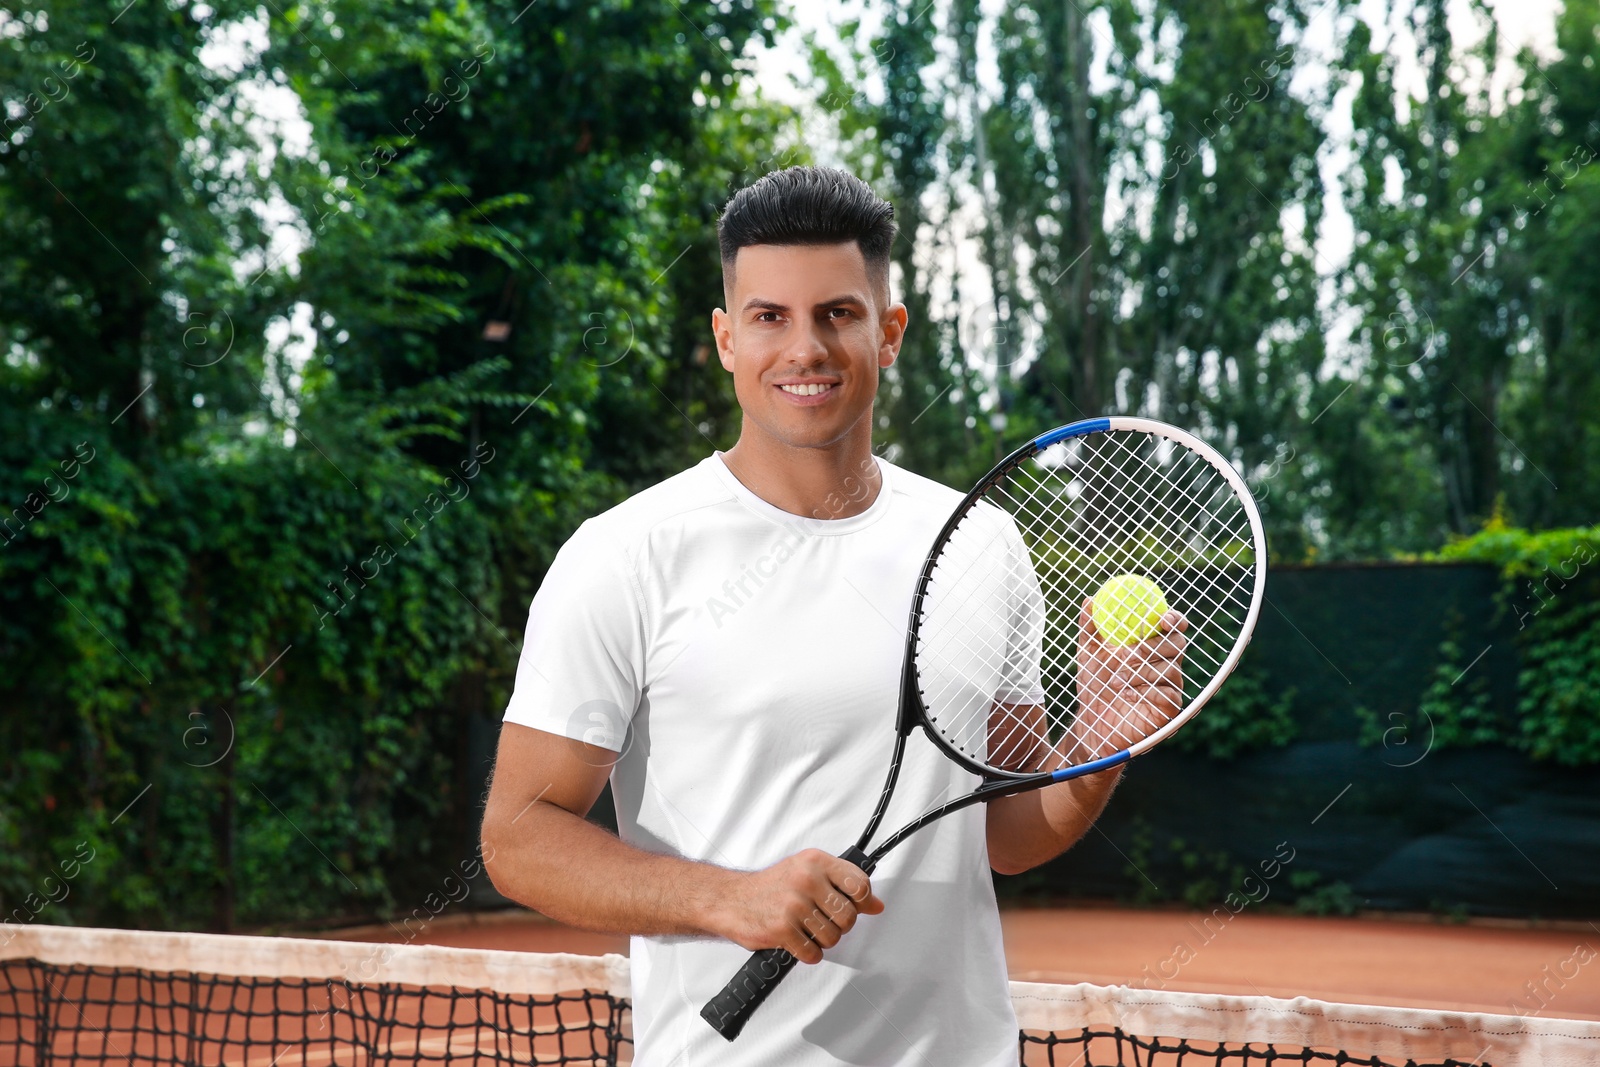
x,y
1439,309
1474,235
1155,265
254,589
1546,200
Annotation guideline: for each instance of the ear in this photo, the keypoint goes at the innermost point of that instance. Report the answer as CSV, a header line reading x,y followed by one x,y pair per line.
x,y
893,322
722,330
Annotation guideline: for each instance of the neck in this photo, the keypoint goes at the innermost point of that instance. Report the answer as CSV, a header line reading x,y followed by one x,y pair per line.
x,y
830,482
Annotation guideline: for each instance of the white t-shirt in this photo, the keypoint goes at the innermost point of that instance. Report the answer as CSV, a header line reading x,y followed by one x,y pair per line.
x,y
746,662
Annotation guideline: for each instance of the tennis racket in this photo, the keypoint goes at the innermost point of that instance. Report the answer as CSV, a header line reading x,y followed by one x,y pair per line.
x,y
1003,672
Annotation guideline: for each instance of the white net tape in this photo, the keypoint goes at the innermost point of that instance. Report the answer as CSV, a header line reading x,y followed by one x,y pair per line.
x,y
1419,1035
1398,1035
1008,675
294,957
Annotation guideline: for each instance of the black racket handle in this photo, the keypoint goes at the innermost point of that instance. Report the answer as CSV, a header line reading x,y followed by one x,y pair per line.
x,y
729,1010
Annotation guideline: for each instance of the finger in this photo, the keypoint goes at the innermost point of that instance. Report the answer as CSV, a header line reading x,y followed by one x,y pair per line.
x,y
1169,679
1115,657
1167,703
1156,706
1148,672
1140,718
853,882
1168,644
1133,725
1145,688
1128,662
821,929
1166,697
1117,734
864,900
1154,673
802,947
1136,716
849,879
1086,626
839,909
1166,638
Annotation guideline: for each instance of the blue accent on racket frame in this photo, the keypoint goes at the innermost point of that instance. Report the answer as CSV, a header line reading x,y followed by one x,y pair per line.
x,y
1074,429
1089,768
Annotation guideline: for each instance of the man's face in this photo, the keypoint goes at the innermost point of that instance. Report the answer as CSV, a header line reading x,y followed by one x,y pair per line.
x,y
805,335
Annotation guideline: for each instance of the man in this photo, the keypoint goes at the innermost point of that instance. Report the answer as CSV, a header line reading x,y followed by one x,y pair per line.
x,y
726,646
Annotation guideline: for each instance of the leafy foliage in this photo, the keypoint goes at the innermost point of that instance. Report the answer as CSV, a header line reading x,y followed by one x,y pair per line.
x,y
298,410
1212,876
1559,704
180,608
1315,897
1550,588
1474,228
273,495
1449,714
1241,717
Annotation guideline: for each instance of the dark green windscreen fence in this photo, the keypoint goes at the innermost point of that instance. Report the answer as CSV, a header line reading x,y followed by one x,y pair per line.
x,y
1376,798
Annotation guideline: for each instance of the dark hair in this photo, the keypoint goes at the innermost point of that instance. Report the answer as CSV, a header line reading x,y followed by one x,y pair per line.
x,y
809,206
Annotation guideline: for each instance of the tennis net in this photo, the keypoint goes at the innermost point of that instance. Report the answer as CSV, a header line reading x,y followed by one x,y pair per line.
x,y
71,995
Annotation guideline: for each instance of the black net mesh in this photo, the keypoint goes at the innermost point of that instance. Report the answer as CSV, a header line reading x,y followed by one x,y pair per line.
x,y
52,1014
60,1014
1113,1048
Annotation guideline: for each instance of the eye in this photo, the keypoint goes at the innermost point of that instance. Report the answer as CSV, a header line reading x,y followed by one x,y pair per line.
x,y
767,316
839,312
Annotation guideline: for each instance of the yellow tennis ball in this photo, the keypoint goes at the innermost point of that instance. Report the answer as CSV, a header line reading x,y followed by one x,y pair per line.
x,y
1128,609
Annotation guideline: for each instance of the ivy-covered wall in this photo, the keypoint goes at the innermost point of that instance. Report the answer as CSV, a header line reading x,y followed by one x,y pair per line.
x,y
1549,587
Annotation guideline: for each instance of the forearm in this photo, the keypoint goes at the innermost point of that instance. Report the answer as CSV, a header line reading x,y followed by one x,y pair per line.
x,y
1030,828
577,873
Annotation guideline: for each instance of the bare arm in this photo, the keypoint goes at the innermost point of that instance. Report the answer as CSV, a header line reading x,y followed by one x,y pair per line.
x,y
541,852
1124,694
1027,829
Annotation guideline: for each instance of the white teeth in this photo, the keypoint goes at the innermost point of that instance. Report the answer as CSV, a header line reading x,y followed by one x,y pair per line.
x,y
810,389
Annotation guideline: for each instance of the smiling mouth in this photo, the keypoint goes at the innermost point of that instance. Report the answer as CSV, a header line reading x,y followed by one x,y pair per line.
x,y
808,388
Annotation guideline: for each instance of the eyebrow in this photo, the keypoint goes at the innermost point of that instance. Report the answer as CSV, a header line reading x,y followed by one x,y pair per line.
x,y
756,303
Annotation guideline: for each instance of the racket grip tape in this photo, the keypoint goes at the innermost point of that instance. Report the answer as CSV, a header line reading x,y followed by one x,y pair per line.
x,y
729,1010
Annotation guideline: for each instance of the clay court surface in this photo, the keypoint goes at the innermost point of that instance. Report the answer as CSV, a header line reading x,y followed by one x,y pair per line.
x,y
1407,962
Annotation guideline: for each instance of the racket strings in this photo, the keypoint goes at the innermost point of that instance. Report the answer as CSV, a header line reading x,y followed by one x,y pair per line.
x,y
1127,498
1178,520
998,647
1195,523
1082,578
969,731
1201,508
1003,739
1128,508
1201,596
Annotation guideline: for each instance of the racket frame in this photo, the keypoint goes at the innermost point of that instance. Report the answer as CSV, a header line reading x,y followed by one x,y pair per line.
x,y
913,711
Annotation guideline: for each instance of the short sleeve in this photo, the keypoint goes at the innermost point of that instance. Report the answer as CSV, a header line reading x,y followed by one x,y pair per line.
x,y
1025,630
582,667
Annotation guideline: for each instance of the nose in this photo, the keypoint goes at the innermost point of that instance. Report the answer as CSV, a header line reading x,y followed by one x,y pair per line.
x,y
807,349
